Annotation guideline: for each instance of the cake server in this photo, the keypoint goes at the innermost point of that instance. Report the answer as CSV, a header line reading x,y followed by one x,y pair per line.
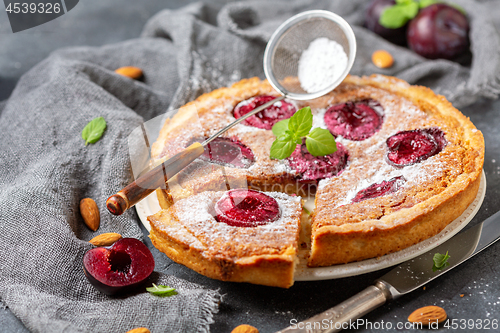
x,y
403,279
281,60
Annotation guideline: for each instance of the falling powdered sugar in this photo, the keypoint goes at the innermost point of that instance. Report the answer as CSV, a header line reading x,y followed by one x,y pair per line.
x,y
321,64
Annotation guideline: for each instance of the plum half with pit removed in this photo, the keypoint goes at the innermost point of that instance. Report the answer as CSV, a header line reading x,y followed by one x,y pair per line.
x,y
120,267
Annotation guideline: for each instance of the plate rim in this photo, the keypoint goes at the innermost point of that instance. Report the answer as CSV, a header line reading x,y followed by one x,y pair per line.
x,y
149,206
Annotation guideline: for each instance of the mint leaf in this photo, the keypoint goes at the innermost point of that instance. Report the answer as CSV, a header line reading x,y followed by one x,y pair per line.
x,y
411,10
291,132
426,3
301,122
287,136
161,290
280,127
93,131
396,16
440,261
320,142
281,149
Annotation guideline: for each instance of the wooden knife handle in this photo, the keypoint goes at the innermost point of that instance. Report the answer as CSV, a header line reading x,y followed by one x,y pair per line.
x,y
153,179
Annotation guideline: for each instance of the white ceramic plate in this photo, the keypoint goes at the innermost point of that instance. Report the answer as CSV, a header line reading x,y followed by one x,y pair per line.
x,y
149,206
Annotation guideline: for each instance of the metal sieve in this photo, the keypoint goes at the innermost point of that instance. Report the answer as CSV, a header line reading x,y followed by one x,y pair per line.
x,y
281,58
281,66
283,52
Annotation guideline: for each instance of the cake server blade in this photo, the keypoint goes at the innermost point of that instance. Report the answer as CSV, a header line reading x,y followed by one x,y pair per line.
x,y
403,279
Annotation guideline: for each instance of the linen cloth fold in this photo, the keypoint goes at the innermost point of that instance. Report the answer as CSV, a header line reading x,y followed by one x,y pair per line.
x,y
46,169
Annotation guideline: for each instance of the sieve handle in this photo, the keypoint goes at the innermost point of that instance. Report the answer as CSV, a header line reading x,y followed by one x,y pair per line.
x,y
239,120
153,179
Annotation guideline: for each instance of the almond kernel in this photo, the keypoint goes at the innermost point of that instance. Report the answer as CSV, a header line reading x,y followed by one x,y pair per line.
x,y
106,239
382,59
130,71
427,315
245,329
90,213
139,330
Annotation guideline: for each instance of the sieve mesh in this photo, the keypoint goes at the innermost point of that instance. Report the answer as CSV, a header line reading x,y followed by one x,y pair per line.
x,y
283,52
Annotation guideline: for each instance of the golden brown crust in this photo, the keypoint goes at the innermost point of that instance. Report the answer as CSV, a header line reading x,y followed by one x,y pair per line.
x,y
437,191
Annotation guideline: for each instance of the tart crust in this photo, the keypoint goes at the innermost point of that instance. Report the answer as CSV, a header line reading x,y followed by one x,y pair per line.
x,y
436,192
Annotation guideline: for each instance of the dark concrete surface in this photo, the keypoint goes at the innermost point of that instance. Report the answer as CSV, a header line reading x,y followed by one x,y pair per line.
x,y
97,22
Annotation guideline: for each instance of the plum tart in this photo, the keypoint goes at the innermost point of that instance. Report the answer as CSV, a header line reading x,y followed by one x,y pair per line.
x,y
407,164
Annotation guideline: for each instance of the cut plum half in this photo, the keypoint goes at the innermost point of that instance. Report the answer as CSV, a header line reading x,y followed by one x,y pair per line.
x,y
229,152
120,267
266,118
246,208
380,189
410,147
315,168
355,121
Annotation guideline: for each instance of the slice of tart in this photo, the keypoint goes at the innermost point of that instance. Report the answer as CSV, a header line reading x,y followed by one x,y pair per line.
x,y
238,235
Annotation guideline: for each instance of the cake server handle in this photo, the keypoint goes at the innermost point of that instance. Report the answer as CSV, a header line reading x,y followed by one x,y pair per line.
x,y
341,316
153,179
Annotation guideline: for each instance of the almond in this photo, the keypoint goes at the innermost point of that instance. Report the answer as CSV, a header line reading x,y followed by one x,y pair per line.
x,y
130,71
106,239
382,59
428,314
90,213
139,330
245,329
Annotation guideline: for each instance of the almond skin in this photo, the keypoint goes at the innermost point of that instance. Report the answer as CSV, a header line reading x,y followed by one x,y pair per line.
x,y
428,314
130,71
90,213
106,239
139,330
245,329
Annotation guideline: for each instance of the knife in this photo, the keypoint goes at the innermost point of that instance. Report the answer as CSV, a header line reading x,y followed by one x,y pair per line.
x,y
403,279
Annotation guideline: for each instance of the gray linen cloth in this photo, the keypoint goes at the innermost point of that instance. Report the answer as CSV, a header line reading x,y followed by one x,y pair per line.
x,y
46,169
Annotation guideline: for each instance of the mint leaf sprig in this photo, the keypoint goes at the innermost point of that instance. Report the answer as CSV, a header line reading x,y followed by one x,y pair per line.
x,y
397,15
440,261
163,291
290,133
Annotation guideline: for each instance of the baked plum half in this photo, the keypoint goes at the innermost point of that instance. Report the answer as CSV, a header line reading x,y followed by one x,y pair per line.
x,y
246,208
355,121
228,151
315,168
266,118
380,189
410,147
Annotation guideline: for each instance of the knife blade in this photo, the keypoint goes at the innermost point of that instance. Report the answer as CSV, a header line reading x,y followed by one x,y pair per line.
x,y
403,279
